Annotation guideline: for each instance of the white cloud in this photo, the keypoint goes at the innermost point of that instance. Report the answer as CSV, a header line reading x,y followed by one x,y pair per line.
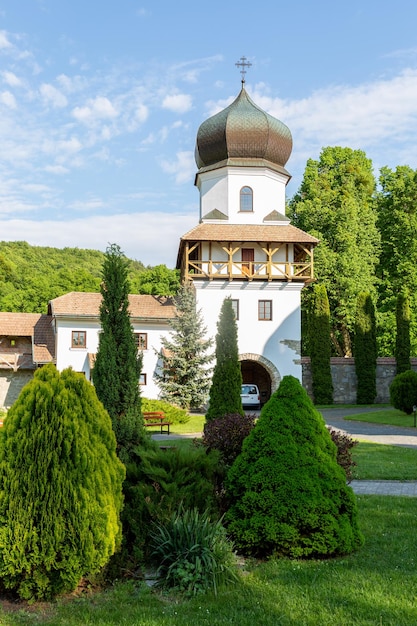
x,y
183,167
11,79
52,95
96,109
56,169
179,103
8,99
96,232
4,42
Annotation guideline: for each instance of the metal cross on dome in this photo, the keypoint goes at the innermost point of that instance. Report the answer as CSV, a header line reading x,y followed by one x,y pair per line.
x,y
243,63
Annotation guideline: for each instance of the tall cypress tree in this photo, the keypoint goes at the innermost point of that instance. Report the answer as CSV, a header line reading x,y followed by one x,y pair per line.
x,y
365,349
320,346
118,364
227,376
402,340
185,377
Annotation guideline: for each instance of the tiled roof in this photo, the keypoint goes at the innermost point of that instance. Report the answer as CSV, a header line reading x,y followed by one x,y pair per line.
x,y
81,304
249,232
34,325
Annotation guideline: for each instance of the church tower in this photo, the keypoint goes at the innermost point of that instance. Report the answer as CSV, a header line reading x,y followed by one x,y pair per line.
x,y
244,246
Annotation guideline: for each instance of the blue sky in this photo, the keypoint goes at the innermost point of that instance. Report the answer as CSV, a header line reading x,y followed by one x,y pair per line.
x,y
100,103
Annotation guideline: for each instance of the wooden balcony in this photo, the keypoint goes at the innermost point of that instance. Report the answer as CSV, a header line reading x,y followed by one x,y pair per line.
x,y
254,270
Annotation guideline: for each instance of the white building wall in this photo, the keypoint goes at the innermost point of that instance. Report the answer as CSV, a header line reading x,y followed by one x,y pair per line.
x,y
78,359
220,189
277,340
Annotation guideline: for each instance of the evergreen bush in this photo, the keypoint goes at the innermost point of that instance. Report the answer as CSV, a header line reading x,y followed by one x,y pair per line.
x,y
226,383
288,495
319,345
403,391
402,338
193,553
61,486
159,482
365,350
226,434
174,414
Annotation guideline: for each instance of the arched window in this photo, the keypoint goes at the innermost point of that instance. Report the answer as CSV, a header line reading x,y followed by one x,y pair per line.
x,y
246,199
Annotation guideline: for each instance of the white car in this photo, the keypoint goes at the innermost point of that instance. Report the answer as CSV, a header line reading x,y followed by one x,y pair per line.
x,y
250,396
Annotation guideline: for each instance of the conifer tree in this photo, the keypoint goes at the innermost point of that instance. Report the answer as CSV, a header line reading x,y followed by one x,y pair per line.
x,y
60,486
402,340
226,383
288,496
320,346
365,349
185,377
117,368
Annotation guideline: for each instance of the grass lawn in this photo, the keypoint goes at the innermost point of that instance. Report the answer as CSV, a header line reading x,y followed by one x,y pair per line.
x,y
381,462
389,416
375,586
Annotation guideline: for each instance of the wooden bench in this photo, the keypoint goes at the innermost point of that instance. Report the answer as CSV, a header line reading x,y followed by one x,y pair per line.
x,y
156,418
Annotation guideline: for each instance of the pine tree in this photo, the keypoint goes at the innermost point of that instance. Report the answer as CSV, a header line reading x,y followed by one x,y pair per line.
x,y
365,350
226,384
319,345
60,486
185,377
117,368
287,494
402,340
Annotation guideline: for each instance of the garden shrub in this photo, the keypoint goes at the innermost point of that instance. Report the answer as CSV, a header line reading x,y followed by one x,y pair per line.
x,y
226,434
403,391
344,444
193,553
287,493
160,482
60,486
174,414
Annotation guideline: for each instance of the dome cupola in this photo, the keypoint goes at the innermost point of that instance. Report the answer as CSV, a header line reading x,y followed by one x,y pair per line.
x,y
242,133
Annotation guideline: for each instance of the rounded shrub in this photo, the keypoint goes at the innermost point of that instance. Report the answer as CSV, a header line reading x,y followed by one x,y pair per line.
x,y
226,434
403,391
174,414
60,486
287,493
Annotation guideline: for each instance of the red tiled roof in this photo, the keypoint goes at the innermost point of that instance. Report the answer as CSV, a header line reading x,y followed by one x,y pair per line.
x,y
249,232
34,325
82,304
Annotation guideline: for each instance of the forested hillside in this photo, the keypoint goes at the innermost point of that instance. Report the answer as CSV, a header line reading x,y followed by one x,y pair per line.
x,y
30,276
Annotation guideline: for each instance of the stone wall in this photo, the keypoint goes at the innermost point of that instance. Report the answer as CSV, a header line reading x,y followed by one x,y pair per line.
x,y
11,384
344,378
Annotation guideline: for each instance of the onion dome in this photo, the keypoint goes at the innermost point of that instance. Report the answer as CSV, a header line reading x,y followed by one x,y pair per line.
x,y
240,133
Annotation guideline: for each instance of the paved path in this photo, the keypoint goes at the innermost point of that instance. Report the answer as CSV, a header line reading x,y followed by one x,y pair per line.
x,y
378,433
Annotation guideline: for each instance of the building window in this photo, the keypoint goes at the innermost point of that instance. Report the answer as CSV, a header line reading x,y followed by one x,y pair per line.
x,y
141,340
235,307
265,310
79,339
246,199
142,379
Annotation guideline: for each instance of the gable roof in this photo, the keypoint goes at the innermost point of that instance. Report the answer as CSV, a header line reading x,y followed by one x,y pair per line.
x,y
37,327
141,307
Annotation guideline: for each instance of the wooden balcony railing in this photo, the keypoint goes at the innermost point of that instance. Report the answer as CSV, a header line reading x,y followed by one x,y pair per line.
x,y
250,270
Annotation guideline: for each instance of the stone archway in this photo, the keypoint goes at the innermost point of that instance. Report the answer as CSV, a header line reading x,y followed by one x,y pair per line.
x,y
260,371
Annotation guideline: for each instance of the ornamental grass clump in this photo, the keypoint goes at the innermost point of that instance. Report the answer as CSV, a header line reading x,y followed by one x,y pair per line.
x,y
60,486
288,496
193,553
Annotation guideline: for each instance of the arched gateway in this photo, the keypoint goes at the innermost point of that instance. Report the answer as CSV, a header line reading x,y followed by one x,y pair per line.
x,y
261,371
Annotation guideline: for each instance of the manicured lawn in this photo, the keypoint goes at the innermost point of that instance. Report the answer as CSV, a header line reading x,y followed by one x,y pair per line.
x,y
389,415
381,462
374,587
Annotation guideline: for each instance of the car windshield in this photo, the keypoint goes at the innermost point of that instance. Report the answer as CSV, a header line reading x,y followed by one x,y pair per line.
x,y
248,389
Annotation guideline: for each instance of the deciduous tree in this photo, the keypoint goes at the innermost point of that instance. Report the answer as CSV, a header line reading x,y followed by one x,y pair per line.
x,y
336,204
